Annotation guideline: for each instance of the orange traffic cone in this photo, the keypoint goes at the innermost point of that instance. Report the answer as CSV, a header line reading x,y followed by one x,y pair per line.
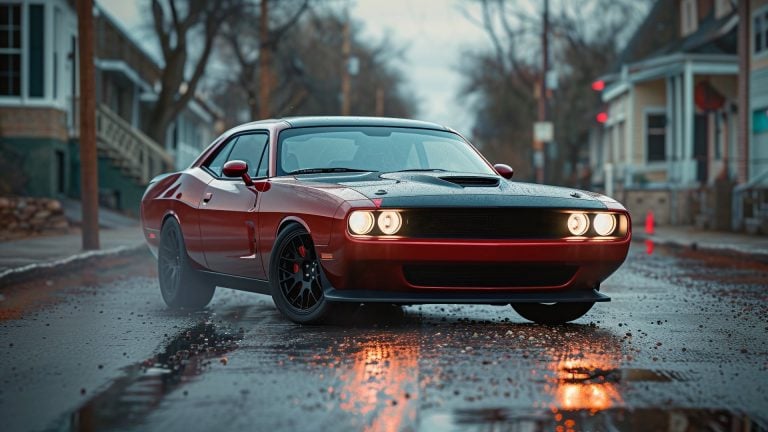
x,y
649,222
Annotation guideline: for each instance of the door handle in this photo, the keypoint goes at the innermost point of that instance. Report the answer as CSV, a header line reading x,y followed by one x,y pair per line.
x,y
207,197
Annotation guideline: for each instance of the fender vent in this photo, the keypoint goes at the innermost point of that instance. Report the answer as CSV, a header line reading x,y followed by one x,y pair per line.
x,y
467,181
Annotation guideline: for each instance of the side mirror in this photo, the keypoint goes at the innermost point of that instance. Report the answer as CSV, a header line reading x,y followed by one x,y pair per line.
x,y
237,168
504,170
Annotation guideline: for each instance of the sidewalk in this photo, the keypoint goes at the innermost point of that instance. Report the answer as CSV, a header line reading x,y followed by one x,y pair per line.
x,y
21,258
715,241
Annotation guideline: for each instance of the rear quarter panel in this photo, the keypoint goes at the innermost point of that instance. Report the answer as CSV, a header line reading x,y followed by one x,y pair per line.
x,y
178,196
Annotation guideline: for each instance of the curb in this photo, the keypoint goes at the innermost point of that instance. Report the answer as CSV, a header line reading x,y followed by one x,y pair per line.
x,y
49,268
720,249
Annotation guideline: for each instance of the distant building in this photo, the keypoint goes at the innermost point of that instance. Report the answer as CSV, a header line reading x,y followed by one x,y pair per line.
x,y
751,196
39,110
671,138
758,89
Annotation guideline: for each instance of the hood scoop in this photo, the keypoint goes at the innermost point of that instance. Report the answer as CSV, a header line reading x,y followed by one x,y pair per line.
x,y
472,181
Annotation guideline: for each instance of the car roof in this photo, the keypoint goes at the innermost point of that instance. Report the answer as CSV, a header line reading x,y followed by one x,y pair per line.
x,y
314,121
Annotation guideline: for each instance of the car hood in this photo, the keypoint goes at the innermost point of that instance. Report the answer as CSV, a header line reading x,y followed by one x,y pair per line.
x,y
451,189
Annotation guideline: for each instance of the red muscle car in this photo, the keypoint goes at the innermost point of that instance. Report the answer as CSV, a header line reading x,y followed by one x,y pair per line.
x,y
327,213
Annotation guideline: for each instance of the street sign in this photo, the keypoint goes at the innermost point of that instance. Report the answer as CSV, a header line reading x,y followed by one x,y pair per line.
x,y
543,131
353,65
551,80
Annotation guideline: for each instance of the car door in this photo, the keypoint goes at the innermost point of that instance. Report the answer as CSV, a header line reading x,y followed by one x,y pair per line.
x,y
228,210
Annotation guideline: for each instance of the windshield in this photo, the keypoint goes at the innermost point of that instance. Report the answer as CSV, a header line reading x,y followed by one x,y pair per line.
x,y
381,149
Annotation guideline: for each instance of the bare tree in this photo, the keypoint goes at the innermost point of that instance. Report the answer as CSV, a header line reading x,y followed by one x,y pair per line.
x,y
255,49
306,67
183,27
585,40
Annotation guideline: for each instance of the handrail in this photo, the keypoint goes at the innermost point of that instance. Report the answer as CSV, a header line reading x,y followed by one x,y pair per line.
x,y
137,152
145,139
737,203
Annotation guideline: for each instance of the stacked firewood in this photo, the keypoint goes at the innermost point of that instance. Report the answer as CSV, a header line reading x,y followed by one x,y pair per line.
x,y
22,216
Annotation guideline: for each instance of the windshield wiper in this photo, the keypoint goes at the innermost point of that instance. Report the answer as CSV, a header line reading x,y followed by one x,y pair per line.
x,y
325,170
417,169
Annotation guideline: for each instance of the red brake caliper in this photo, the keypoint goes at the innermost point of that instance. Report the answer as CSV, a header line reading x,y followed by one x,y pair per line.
x,y
302,253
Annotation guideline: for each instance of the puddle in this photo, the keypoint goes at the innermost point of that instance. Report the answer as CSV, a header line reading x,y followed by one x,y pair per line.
x,y
128,400
582,375
651,419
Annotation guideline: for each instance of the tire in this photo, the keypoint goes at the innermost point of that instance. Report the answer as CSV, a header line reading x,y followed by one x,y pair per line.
x,y
555,313
295,278
180,285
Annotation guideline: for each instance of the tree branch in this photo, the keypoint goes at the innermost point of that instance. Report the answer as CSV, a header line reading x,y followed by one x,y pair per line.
x,y
159,22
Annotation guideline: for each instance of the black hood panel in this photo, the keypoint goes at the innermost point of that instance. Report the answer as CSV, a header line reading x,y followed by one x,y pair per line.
x,y
444,189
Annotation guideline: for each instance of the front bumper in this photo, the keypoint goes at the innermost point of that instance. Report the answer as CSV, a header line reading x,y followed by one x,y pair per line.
x,y
504,298
372,269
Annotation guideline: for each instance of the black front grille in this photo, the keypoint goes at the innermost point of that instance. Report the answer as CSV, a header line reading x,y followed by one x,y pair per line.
x,y
501,223
488,275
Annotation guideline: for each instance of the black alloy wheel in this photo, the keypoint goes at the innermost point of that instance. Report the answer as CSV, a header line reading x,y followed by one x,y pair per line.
x,y
297,282
180,285
299,273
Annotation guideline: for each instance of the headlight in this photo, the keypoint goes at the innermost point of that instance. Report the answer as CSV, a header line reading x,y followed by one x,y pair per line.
x,y
390,222
361,222
578,224
604,223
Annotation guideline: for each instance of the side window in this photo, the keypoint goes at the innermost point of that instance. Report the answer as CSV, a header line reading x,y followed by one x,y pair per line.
x,y
217,163
252,149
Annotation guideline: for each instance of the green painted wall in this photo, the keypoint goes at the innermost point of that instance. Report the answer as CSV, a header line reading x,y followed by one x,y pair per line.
x,y
38,163
115,189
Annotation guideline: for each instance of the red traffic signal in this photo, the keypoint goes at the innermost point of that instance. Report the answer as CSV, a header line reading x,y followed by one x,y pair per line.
x,y
601,117
598,85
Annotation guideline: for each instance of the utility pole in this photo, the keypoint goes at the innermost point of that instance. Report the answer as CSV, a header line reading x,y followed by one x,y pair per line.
x,y
379,102
538,145
346,50
89,174
265,62
744,33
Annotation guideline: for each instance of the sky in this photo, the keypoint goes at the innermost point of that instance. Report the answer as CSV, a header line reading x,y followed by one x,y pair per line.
x,y
433,32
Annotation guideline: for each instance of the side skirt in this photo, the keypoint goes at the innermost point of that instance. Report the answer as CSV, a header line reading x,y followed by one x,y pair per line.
x,y
238,282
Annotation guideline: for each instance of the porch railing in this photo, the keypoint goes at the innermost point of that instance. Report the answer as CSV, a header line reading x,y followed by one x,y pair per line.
x,y
740,192
132,151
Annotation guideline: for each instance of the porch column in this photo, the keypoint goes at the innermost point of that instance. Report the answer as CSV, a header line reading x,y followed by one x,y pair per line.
x,y
689,170
669,136
135,106
677,152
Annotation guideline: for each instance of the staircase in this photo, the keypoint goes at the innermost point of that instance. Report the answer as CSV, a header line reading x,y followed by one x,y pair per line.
x,y
136,155
756,211
750,205
128,159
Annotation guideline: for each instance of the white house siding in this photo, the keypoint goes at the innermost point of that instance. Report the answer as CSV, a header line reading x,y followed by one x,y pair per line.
x,y
758,151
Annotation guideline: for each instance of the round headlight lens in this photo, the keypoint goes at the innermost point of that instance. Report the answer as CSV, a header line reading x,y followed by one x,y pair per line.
x,y
604,223
578,224
390,222
361,222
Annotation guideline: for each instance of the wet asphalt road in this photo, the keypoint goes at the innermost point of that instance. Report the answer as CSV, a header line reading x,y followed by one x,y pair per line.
x,y
683,346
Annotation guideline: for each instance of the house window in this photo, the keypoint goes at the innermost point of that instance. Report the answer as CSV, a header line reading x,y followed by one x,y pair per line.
x,y
656,136
760,31
689,20
10,50
36,49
